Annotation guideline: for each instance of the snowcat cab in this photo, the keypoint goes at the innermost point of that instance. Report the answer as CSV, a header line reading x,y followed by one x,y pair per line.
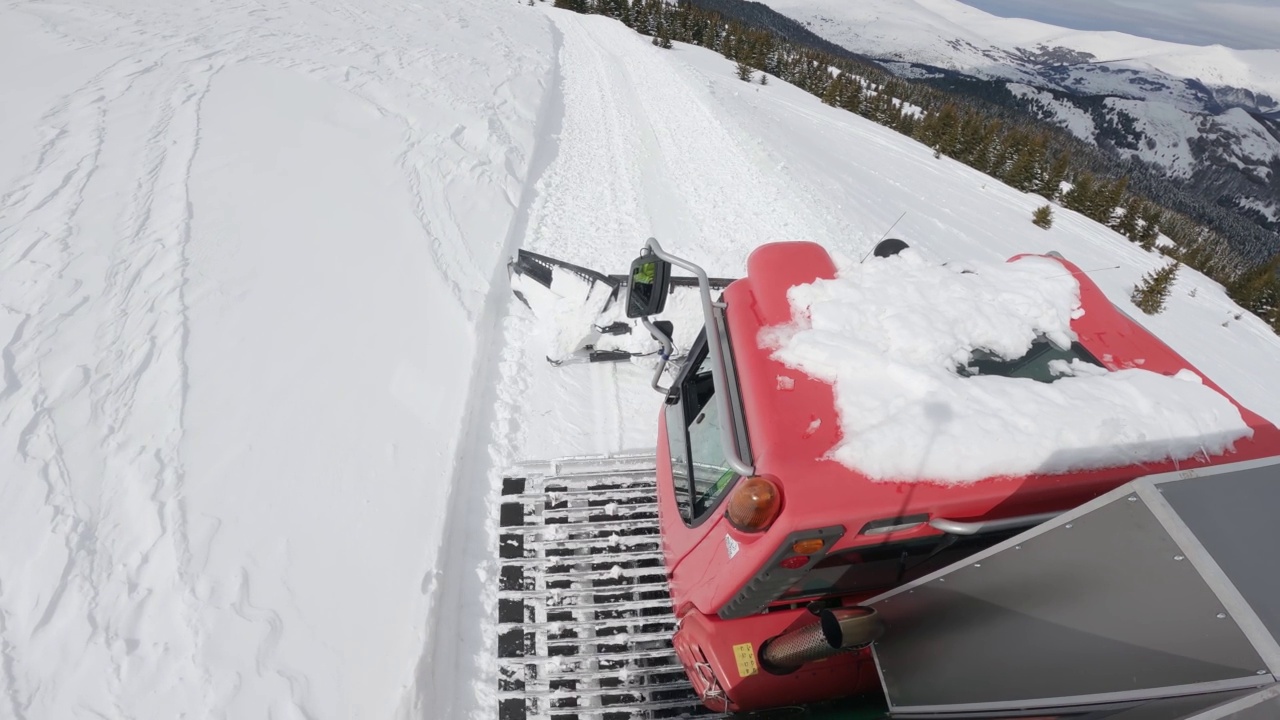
x,y
771,548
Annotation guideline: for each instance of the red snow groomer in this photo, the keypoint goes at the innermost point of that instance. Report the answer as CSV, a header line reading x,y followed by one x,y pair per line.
x,y
783,564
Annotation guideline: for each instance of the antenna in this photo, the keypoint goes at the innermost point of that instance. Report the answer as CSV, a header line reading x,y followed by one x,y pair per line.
x,y
1084,272
882,237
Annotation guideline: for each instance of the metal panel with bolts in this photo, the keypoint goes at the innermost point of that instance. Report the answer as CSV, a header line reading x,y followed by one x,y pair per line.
x,y
1100,606
1233,515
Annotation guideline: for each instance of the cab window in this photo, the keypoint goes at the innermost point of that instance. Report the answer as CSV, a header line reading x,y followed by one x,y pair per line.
x,y
698,465
710,473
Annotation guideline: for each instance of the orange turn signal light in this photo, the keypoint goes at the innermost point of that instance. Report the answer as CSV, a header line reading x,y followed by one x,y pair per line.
x,y
807,547
754,504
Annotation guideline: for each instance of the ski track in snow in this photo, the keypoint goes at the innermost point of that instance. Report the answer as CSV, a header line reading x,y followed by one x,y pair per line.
x,y
110,602
122,542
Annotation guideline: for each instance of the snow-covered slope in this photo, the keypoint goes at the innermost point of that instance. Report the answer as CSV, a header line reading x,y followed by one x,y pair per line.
x,y
1200,113
260,370
950,34
246,254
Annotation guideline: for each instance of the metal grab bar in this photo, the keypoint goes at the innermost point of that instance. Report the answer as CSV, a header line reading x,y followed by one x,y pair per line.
x,y
728,442
956,527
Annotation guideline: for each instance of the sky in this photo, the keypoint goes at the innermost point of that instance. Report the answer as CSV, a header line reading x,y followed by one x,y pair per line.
x,y
1240,24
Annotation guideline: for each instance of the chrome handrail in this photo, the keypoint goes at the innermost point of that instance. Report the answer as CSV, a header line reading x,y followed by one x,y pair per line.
x,y
957,527
720,372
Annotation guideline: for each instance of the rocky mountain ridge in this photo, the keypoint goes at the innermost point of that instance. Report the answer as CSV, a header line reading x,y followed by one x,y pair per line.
x,y
1206,117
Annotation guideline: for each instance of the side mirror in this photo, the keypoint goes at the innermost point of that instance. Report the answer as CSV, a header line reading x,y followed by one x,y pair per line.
x,y
647,286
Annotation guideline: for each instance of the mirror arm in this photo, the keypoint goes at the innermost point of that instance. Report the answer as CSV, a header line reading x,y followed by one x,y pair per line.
x,y
728,440
663,355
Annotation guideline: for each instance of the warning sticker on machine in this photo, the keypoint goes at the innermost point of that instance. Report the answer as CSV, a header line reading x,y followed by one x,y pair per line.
x,y
746,657
730,545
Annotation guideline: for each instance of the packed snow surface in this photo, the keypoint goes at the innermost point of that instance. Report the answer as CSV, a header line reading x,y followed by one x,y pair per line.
x,y
890,335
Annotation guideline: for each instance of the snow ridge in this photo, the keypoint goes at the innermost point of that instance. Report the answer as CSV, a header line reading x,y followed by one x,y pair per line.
x,y
456,621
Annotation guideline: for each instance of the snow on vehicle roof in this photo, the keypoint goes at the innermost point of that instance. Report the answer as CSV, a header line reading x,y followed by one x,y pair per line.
x,y
892,337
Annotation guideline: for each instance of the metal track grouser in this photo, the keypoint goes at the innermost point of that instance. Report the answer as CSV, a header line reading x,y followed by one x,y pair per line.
x,y
585,619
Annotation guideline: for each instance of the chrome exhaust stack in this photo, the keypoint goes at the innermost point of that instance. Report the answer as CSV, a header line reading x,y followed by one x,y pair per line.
x,y
837,630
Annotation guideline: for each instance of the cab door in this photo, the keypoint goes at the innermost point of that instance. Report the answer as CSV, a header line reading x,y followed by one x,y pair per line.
x,y
691,494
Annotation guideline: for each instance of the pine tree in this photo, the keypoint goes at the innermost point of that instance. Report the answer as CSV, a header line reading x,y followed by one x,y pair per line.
x,y
1151,217
907,120
834,94
969,138
744,71
1043,217
1258,289
662,38
1127,222
1022,174
981,147
1083,194
1107,198
617,9
1051,184
946,123
852,98
1151,294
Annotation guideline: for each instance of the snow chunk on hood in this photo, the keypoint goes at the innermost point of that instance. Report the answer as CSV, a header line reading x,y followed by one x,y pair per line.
x,y
889,335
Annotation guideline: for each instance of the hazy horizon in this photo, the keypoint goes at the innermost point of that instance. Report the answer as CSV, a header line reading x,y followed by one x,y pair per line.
x,y
1239,24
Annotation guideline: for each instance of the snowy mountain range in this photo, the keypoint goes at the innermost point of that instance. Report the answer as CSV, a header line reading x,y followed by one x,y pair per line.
x,y
1209,116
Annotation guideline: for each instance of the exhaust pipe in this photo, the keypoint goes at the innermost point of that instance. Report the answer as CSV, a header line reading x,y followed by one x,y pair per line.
x,y
836,631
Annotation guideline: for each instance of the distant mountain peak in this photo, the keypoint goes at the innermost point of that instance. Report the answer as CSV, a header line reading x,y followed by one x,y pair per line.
x,y
1206,115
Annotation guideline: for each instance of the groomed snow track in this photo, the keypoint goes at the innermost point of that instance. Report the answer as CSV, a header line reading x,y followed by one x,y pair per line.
x,y
585,621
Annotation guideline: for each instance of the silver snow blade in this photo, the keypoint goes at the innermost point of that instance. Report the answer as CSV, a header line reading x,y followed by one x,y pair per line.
x,y
543,269
585,620
582,309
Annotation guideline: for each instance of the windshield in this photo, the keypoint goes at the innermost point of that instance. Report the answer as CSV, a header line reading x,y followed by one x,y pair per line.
x,y
1044,362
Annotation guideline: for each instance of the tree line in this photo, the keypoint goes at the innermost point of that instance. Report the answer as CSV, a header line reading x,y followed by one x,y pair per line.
x,y
1028,155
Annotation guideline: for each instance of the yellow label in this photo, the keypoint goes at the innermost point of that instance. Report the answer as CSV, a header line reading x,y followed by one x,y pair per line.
x,y
746,657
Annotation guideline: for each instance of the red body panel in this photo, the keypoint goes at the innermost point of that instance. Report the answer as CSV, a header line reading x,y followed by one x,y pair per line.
x,y
820,493
710,641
